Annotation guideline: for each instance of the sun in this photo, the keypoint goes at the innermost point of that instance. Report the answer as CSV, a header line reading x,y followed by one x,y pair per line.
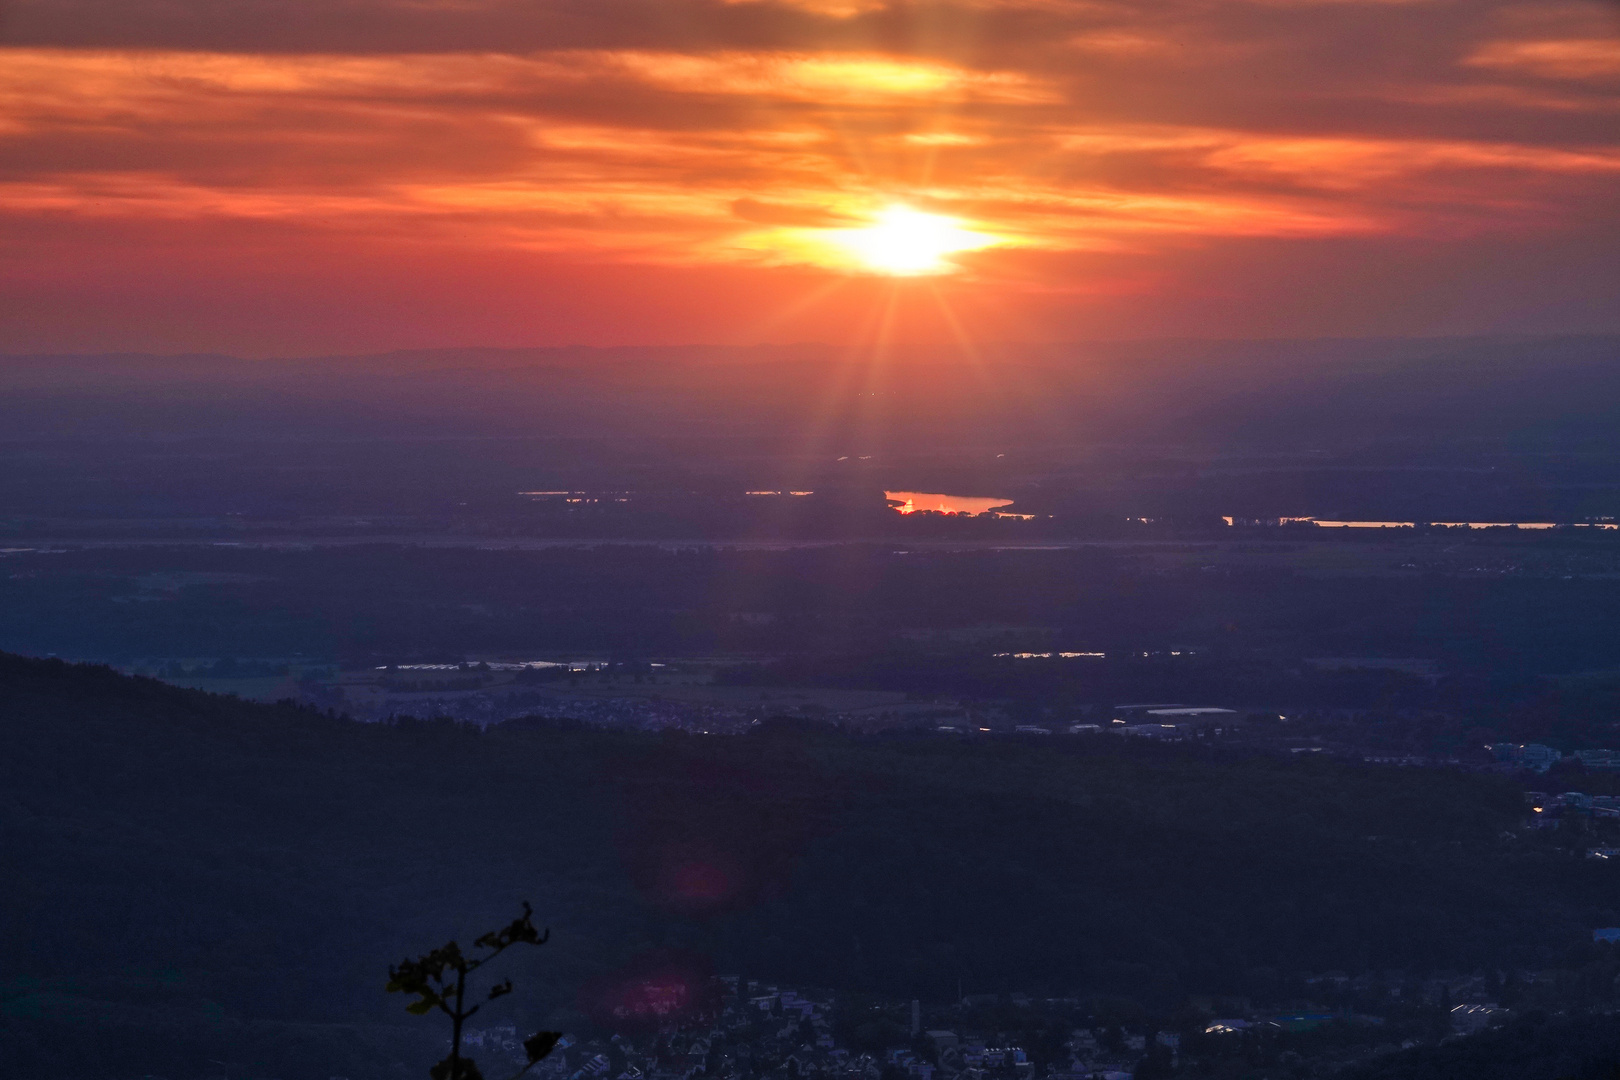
x,y
906,243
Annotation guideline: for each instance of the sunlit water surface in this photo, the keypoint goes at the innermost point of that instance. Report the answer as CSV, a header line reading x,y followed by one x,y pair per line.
x,y
915,501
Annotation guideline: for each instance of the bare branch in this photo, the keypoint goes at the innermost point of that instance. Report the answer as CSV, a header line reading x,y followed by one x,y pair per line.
x,y
439,978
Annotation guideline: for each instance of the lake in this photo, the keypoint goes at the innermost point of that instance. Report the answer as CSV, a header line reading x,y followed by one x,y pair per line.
x,y
914,501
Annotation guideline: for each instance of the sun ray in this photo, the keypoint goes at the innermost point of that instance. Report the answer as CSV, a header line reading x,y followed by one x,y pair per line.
x,y
904,242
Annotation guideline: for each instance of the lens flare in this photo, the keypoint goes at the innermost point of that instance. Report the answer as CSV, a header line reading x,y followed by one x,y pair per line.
x,y
907,243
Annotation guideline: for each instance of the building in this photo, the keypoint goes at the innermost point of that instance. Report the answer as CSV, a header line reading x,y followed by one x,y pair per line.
x,y
1470,1019
1538,757
1529,756
1204,713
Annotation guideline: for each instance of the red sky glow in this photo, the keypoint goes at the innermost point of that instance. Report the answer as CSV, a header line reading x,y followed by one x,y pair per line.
x,y
268,176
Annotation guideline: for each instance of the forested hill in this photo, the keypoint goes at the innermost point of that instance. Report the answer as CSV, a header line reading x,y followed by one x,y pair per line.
x,y
187,873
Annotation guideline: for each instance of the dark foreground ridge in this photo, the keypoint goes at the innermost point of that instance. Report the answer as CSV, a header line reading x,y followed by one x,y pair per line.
x,y
197,879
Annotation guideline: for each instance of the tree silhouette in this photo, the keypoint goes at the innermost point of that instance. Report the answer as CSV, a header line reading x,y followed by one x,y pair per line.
x,y
439,979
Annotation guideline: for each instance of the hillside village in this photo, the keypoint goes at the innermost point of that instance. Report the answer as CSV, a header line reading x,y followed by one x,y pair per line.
x,y
756,1031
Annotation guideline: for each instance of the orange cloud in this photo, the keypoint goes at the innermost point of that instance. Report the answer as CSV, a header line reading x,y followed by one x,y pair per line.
x,y
834,9
757,134
805,138
1580,58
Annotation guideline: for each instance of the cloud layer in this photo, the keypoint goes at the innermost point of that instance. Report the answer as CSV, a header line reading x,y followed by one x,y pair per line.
x,y
1113,149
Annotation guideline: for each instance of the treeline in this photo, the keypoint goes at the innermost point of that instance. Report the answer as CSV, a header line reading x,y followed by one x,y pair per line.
x,y
373,605
1039,686
1436,715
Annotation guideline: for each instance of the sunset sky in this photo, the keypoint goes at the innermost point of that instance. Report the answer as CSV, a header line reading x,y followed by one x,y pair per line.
x,y
273,176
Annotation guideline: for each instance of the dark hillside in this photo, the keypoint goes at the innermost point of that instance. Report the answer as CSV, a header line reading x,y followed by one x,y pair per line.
x,y
1536,1047
198,865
